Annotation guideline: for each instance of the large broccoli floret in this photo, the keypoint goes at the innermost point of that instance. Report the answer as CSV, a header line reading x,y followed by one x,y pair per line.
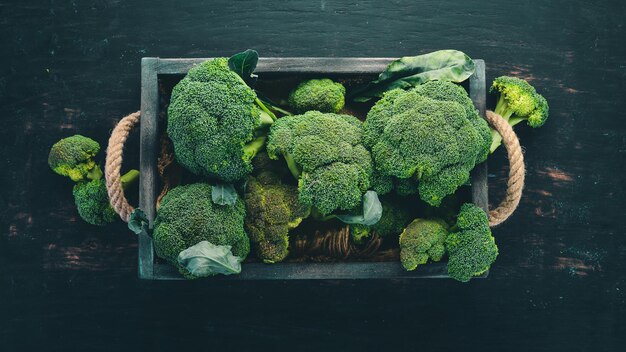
x,y
393,221
471,247
317,94
73,157
518,101
272,210
436,142
325,153
421,241
92,200
187,216
216,122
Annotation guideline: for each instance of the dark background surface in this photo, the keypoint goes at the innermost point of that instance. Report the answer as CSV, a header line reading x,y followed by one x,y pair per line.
x,y
558,285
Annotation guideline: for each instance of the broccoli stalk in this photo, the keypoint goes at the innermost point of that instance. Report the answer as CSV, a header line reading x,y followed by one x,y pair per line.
x,y
518,101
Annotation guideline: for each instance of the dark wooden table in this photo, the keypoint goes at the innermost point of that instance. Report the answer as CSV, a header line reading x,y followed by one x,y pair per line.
x,y
558,284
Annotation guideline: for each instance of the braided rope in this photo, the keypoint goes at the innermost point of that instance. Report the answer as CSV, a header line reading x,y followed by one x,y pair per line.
x,y
517,170
113,165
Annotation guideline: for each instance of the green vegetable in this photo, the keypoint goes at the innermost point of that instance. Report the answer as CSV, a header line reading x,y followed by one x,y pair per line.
x,y
138,222
324,151
216,122
273,210
322,95
187,216
224,194
206,259
244,63
372,211
421,241
73,157
430,134
411,71
92,200
518,101
393,220
471,247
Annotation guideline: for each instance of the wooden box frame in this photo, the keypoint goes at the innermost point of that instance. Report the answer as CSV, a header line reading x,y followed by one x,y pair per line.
x,y
152,68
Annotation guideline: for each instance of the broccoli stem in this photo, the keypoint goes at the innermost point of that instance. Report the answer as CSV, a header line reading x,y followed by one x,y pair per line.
x,y
265,109
315,214
293,166
251,149
502,109
266,120
95,173
129,178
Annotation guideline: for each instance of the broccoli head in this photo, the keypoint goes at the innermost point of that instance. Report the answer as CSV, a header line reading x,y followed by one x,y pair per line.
x,y
187,216
324,151
272,210
317,94
393,221
518,101
433,141
471,247
216,122
423,239
73,157
92,200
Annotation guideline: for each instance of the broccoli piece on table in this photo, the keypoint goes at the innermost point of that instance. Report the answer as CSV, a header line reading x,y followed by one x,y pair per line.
x,y
187,216
322,95
273,210
470,245
92,200
430,140
216,122
422,240
324,152
73,157
518,101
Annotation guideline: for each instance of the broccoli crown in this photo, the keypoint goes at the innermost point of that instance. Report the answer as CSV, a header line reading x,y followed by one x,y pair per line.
x,y
212,117
317,94
92,202
393,220
423,239
326,153
519,100
73,157
187,215
272,210
471,247
433,141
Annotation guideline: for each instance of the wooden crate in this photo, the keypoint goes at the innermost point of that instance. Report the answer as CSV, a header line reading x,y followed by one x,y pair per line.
x,y
155,68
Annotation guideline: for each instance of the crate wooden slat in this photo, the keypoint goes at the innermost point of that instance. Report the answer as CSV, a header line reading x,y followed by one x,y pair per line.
x,y
152,68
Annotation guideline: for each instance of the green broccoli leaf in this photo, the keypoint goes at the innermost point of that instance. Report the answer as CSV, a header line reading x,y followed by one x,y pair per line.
x,y
372,211
244,63
224,194
411,71
138,222
206,259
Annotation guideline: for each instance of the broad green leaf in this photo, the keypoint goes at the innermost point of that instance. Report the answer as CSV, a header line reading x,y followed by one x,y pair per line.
x,y
244,63
206,259
138,222
411,71
372,211
224,194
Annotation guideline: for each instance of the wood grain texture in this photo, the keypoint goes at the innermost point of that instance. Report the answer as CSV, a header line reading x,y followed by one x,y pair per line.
x,y
558,284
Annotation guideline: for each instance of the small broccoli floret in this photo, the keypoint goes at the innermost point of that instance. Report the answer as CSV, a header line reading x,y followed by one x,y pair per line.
x,y
216,122
431,140
421,241
471,247
325,153
518,101
92,200
317,94
273,210
187,216
73,157
393,221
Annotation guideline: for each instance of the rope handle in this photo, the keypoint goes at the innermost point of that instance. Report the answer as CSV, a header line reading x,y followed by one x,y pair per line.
x,y
113,165
497,216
